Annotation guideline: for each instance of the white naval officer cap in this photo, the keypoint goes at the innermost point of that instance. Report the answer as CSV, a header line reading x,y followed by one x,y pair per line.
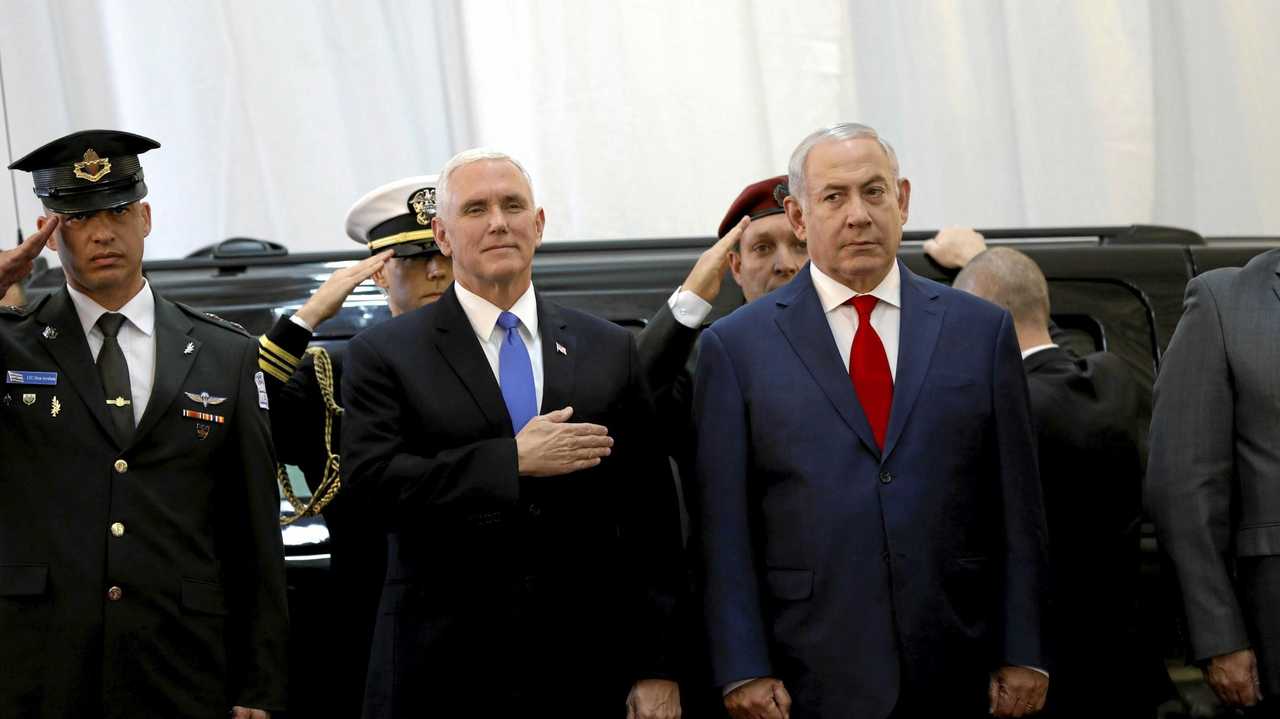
x,y
396,216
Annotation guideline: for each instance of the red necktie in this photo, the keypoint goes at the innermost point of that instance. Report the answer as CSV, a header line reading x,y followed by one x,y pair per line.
x,y
869,369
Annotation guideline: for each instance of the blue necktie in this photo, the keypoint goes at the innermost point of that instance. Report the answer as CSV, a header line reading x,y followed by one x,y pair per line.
x,y
515,374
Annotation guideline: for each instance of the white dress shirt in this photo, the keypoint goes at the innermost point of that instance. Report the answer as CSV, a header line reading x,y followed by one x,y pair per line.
x,y
688,308
483,316
886,318
137,339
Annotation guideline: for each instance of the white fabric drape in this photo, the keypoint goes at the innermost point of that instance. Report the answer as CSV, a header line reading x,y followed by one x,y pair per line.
x,y
645,118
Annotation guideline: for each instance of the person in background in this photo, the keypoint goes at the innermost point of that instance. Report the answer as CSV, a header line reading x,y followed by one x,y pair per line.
x,y
1091,448
394,222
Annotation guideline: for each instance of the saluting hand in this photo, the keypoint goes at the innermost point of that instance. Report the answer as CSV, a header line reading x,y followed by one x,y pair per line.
x,y
708,272
17,263
550,445
1017,691
764,698
955,246
327,300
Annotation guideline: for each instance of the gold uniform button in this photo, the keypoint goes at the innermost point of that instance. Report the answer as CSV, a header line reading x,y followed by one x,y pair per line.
x,y
117,529
115,593
121,466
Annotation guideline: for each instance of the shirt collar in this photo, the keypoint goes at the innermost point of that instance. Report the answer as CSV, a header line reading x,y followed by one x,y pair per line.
x,y
483,314
1037,348
140,311
832,293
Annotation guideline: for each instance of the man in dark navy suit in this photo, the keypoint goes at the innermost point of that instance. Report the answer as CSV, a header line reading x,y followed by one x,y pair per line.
x,y
509,447
870,525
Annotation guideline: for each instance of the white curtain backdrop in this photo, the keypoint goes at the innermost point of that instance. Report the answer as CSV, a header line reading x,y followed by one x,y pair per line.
x,y
644,118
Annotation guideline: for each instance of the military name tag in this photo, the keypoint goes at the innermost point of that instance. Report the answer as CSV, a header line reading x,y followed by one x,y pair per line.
x,y
24,377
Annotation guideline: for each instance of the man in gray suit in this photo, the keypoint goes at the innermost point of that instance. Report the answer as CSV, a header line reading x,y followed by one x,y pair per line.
x,y
1213,480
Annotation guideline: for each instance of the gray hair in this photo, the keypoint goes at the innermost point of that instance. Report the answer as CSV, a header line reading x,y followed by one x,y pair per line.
x,y
841,131
1006,277
467,157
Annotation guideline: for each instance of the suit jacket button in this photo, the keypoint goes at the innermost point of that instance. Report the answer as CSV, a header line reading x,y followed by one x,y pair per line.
x,y
885,477
117,529
121,466
115,593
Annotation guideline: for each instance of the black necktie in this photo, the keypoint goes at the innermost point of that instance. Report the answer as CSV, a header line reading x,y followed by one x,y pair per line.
x,y
114,372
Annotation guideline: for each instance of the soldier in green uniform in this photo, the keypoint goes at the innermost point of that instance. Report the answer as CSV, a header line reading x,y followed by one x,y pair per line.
x,y
141,568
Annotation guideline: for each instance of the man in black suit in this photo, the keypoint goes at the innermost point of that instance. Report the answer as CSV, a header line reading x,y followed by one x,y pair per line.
x,y
1086,412
141,567
1213,486
533,561
394,222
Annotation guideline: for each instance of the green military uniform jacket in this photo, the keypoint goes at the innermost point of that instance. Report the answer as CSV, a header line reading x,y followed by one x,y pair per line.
x,y
144,580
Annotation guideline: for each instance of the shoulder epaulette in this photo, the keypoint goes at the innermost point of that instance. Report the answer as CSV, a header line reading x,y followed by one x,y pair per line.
x,y
215,320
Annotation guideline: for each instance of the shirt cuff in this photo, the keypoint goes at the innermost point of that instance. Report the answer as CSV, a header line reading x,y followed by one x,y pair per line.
x,y
294,318
689,309
1037,669
728,688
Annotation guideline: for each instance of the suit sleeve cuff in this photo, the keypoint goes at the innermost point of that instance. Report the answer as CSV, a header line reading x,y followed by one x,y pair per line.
x,y
731,686
280,350
689,309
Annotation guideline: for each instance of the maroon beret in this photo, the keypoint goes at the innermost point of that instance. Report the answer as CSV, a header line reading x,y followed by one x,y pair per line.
x,y
760,199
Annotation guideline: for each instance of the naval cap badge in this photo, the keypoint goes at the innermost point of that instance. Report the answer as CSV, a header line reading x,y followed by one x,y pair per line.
x,y
423,205
92,167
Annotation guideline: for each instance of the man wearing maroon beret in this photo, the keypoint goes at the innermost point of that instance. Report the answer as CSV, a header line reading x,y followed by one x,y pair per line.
x,y
757,245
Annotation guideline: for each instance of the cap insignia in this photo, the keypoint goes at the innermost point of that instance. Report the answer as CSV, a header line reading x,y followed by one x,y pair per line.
x,y
92,168
780,194
423,204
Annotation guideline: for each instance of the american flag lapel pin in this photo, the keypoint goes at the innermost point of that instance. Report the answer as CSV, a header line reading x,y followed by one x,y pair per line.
x,y
560,348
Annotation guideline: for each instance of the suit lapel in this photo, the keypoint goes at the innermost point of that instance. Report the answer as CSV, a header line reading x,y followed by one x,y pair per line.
x,y
457,341
70,349
557,366
804,324
173,333
918,328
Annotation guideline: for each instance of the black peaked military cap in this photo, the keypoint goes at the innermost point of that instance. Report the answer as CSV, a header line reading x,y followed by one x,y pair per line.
x,y
88,171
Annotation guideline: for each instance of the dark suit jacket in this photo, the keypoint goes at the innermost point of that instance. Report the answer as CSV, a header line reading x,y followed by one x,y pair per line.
x,y
502,590
1213,484
201,622
851,574
1085,411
